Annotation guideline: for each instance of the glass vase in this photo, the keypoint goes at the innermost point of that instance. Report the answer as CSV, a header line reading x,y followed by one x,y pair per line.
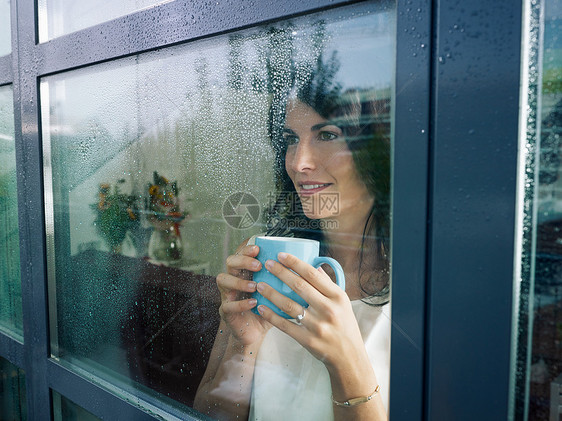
x,y
166,245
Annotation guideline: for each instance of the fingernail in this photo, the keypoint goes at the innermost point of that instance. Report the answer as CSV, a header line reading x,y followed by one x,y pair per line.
x,y
256,264
252,286
261,309
282,255
252,301
269,264
260,287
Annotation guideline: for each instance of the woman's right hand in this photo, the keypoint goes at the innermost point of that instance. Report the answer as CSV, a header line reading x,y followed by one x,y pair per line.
x,y
236,287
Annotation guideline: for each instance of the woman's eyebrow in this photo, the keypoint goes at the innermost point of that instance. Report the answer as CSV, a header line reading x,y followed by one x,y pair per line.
x,y
314,128
320,125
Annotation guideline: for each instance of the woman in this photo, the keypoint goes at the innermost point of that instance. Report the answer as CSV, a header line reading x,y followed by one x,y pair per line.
x,y
265,367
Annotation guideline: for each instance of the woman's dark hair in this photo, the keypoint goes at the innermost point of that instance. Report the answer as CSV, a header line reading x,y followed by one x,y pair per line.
x,y
363,117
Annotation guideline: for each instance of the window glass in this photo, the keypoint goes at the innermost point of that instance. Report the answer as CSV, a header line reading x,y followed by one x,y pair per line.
x,y
66,410
158,166
5,28
12,392
60,17
537,378
10,285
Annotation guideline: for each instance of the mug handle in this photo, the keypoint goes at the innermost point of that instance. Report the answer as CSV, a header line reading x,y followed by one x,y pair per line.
x,y
340,277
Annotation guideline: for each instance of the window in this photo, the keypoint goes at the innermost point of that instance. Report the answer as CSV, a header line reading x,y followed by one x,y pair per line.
x,y
65,409
12,390
10,283
60,17
5,31
151,160
537,376
445,84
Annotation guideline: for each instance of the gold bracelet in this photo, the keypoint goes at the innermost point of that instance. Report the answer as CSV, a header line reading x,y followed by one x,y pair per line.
x,y
357,401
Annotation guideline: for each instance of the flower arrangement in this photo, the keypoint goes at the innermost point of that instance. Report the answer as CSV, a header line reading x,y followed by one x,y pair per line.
x,y
163,212
116,213
162,203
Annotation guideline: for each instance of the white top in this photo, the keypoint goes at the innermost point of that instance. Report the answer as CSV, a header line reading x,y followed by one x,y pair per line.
x,y
290,384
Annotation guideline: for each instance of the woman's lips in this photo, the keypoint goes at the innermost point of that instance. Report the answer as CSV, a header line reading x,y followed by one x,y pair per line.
x,y
309,188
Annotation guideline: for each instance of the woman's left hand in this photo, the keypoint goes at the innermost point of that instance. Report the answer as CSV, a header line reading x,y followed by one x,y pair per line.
x,y
329,330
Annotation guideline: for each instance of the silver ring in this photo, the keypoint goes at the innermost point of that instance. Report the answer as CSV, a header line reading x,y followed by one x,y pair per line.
x,y
301,316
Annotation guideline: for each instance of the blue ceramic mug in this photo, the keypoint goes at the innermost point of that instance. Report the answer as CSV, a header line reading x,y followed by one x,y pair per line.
x,y
306,250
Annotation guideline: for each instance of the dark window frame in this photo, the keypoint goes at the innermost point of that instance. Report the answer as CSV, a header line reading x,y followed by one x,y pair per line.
x,y
446,362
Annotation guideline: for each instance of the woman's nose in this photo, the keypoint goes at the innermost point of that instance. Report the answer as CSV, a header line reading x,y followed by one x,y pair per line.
x,y
304,157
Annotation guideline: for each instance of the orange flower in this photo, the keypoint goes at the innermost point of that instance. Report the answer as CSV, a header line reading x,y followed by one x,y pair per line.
x,y
153,190
102,201
132,215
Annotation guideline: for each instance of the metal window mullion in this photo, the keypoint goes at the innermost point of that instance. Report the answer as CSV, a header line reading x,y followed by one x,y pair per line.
x,y
473,191
409,208
164,25
30,209
94,395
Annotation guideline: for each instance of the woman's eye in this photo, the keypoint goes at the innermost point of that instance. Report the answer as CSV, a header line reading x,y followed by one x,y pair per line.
x,y
327,136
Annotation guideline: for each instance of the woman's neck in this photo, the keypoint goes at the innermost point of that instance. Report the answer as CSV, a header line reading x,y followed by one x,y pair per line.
x,y
345,242
345,235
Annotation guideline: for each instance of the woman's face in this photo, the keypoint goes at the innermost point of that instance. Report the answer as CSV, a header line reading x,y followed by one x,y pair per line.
x,y
321,166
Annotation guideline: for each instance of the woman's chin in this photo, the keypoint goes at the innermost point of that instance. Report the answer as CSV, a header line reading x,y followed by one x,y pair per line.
x,y
317,216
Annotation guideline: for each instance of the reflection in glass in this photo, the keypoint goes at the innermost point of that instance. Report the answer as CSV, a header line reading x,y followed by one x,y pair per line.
x,y
12,392
10,285
158,166
60,17
537,382
66,410
5,28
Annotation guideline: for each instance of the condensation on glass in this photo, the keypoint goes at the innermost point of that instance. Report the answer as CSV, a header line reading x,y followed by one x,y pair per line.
x,y
60,17
157,166
10,284
12,392
5,28
66,410
536,391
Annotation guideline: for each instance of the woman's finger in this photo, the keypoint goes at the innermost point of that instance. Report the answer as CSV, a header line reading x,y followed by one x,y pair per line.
x,y
318,279
297,332
228,282
303,287
244,259
285,304
237,307
251,251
